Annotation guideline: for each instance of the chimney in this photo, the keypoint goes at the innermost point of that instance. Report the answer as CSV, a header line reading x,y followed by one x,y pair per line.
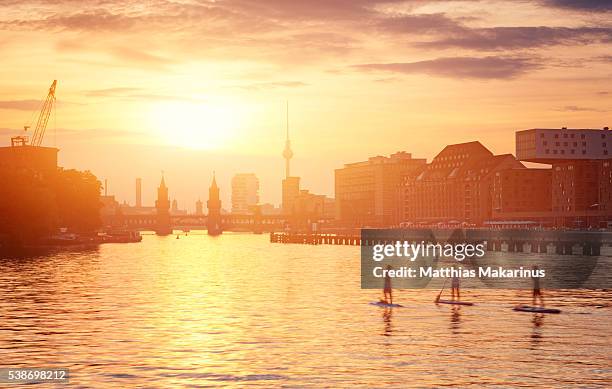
x,y
139,192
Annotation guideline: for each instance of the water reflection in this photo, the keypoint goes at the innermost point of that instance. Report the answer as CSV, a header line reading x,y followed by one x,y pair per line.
x,y
455,321
536,333
387,316
201,312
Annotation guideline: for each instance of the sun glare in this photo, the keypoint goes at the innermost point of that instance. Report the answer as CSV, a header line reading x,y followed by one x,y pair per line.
x,y
196,125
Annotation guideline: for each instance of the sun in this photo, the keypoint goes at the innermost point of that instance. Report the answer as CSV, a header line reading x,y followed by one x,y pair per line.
x,y
196,125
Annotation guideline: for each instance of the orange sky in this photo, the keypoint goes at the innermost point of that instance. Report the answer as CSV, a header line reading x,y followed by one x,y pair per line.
x,y
189,87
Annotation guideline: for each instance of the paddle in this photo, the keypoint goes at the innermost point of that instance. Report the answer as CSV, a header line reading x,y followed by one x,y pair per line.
x,y
440,294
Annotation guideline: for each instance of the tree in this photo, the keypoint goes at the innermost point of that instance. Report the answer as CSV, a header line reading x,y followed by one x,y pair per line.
x,y
33,205
78,200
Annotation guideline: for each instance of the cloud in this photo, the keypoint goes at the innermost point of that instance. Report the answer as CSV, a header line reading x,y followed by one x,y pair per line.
x,y
576,108
421,24
581,5
285,33
459,67
129,93
21,105
110,92
139,56
605,58
274,85
330,10
511,38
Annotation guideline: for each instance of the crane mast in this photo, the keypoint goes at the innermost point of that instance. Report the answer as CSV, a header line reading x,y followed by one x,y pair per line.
x,y
41,123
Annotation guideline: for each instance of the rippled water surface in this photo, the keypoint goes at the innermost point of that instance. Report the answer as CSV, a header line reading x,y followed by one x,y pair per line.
x,y
201,311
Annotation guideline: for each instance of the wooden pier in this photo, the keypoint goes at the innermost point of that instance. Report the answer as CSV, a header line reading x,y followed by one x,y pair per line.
x,y
512,241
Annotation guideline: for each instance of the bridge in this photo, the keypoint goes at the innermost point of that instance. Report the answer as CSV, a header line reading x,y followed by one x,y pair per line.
x,y
229,222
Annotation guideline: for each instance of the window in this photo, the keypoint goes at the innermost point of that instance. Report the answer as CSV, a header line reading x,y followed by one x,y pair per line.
x,y
584,144
603,136
603,144
581,136
583,151
575,144
605,152
556,136
547,151
557,144
564,143
545,143
562,151
565,135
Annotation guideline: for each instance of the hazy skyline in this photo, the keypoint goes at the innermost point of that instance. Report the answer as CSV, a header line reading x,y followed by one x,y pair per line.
x,y
195,86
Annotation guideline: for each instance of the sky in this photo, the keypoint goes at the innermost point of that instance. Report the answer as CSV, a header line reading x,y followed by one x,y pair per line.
x,y
193,87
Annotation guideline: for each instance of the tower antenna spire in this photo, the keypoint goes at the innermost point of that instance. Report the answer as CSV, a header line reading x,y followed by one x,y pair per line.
x,y
287,153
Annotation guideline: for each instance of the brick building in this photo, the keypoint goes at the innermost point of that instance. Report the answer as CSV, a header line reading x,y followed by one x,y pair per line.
x,y
368,193
581,181
456,187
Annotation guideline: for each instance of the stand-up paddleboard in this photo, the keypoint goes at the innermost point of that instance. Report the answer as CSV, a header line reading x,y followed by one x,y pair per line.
x,y
453,302
386,305
528,308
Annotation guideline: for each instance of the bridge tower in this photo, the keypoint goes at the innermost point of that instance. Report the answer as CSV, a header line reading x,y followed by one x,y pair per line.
x,y
162,204
214,209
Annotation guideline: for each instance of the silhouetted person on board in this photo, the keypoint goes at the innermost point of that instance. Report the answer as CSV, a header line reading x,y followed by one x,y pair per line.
x,y
388,290
537,292
455,285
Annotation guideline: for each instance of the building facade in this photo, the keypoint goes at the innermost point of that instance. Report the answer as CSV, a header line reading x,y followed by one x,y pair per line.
x,y
456,187
580,160
522,195
549,145
291,193
245,193
368,193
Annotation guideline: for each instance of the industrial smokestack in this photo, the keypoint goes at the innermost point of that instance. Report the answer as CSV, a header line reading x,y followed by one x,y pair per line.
x,y
139,192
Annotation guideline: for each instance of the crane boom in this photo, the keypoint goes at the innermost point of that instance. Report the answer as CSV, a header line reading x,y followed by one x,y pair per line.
x,y
43,118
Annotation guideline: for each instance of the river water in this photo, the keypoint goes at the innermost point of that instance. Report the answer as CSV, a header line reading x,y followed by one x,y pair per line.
x,y
200,311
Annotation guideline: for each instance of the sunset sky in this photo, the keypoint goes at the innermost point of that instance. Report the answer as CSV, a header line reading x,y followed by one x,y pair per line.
x,y
189,87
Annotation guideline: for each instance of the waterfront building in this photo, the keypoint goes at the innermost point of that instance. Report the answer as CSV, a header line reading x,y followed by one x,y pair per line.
x,y
38,159
580,160
368,193
553,145
456,187
269,209
245,193
523,195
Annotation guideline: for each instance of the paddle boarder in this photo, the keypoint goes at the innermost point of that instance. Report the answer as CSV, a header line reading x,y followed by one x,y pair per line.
x,y
388,289
455,284
537,292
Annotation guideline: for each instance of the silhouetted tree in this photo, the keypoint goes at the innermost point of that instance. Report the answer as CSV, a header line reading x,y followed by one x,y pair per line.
x,y
32,205
78,200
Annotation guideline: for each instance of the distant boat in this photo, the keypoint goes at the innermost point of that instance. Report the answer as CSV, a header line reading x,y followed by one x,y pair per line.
x,y
120,236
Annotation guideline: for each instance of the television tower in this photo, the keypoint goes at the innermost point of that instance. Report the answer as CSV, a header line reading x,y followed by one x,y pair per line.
x,y
287,153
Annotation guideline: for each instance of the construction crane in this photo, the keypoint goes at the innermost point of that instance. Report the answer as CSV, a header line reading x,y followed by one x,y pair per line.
x,y
41,124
